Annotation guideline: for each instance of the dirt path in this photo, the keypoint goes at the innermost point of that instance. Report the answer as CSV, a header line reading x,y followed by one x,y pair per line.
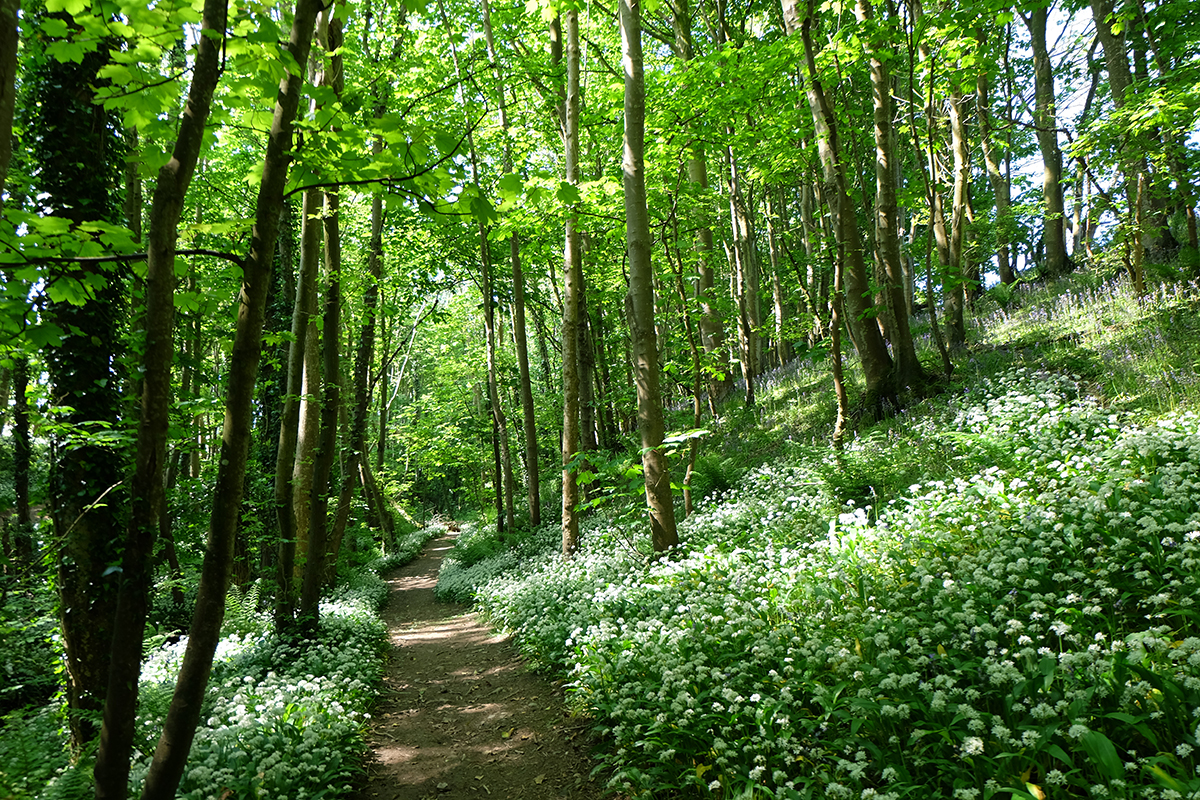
x,y
460,715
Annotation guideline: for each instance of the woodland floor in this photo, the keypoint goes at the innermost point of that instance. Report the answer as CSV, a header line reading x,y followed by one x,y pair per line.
x,y
460,715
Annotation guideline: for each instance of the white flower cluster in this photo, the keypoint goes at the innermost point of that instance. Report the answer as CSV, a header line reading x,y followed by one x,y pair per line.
x,y
283,719
1037,618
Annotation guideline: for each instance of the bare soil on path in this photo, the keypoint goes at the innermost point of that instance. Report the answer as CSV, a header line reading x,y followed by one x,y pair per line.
x,y
460,715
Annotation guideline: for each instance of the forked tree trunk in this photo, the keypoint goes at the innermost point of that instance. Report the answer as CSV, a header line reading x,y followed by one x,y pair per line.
x,y
289,425
179,729
309,431
640,300
146,494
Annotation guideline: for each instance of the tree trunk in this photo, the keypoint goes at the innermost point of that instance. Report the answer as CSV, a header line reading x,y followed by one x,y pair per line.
x,y
75,172
146,495
572,289
1004,220
9,9
170,756
1045,123
528,411
640,300
330,37
783,347
286,490
741,258
23,536
1120,81
519,338
876,362
956,278
887,215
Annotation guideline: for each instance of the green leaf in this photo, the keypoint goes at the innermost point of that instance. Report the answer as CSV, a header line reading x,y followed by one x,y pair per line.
x,y
65,50
46,334
568,193
1060,754
54,27
510,185
72,7
483,210
1103,754
266,33
187,301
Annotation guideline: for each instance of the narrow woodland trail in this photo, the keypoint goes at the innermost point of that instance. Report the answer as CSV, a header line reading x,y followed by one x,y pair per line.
x,y
460,714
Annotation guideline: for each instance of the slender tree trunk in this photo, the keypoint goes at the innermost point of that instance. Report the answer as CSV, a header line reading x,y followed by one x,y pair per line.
x,y
146,495
741,255
528,412
573,288
876,362
519,339
331,39
23,536
783,347
925,157
170,756
640,300
287,494
697,383
956,278
1120,81
1004,221
887,215
1045,122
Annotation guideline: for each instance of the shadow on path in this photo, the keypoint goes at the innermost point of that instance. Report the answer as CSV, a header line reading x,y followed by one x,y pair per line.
x,y
459,714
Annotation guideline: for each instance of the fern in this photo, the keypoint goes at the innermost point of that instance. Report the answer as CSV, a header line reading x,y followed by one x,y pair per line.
x,y
242,614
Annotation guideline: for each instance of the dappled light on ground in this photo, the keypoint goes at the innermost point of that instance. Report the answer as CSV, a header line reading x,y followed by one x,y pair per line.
x,y
460,715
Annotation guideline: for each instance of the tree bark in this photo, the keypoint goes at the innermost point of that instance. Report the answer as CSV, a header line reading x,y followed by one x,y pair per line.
x,y
1120,81
146,494
9,10
519,338
640,300
783,347
887,214
572,289
991,158
876,362
23,536
76,173
954,283
330,37
170,756
1045,123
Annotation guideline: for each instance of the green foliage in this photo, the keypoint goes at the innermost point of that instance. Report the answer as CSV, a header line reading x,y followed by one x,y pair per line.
x,y
245,614
27,657
1024,626
281,719
32,752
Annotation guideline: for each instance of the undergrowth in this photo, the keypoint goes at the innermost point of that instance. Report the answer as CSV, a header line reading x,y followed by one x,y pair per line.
x,y
993,594
282,718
